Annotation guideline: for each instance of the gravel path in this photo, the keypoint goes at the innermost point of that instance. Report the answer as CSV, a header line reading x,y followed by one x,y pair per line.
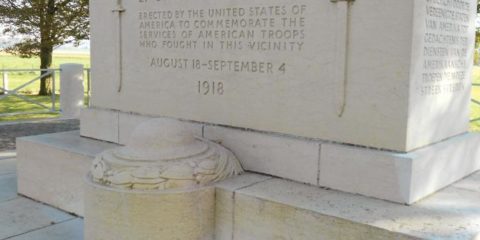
x,y
10,131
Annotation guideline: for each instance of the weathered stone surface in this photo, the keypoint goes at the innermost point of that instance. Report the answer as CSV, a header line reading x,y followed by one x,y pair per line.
x,y
398,177
98,124
403,178
261,219
403,73
127,124
290,158
280,209
51,168
124,215
160,185
225,202
129,121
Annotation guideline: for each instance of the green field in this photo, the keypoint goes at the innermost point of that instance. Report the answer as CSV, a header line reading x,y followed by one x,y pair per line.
x,y
13,104
16,79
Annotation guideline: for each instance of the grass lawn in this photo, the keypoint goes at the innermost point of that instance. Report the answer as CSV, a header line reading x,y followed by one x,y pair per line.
x,y
13,104
475,108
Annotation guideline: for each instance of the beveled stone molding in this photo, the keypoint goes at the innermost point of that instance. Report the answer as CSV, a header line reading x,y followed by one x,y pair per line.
x,y
164,154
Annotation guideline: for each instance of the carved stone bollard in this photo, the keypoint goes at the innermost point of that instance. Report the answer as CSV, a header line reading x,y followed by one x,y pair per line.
x,y
159,186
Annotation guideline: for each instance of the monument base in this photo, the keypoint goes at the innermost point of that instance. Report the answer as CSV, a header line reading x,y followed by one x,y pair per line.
x,y
50,168
260,207
254,206
399,177
124,215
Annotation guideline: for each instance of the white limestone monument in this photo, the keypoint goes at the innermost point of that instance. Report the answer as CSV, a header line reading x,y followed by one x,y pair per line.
x,y
394,83
369,97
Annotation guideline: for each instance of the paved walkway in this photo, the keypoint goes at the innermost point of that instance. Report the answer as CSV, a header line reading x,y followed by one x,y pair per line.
x,y
25,219
11,130
22,218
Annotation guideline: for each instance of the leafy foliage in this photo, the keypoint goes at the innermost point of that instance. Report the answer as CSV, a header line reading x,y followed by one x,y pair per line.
x,y
44,23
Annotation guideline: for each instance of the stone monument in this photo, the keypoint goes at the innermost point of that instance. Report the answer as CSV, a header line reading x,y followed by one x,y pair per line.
x,y
165,176
369,97
376,90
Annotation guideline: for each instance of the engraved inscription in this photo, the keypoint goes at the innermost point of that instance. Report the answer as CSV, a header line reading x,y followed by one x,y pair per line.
x,y
216,65
255,28
210,88
236,30
446,44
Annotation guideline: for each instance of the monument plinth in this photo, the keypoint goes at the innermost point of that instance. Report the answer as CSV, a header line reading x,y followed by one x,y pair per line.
x,y
384,74
164,175
390,78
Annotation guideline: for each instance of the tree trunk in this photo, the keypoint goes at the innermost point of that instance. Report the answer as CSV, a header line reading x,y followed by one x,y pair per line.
x,y
45,63
46,47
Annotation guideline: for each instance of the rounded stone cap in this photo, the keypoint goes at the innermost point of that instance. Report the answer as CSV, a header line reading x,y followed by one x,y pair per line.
x,y
164,154
161,139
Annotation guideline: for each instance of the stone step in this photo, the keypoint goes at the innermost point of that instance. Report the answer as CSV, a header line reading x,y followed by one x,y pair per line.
x,y
393,176
259,207
51,168
252,206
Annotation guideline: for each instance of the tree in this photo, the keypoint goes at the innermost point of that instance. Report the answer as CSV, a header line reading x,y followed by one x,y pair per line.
x,y
45,24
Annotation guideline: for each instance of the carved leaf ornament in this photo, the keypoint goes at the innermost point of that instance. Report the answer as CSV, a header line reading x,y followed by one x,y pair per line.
x,y
164,154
